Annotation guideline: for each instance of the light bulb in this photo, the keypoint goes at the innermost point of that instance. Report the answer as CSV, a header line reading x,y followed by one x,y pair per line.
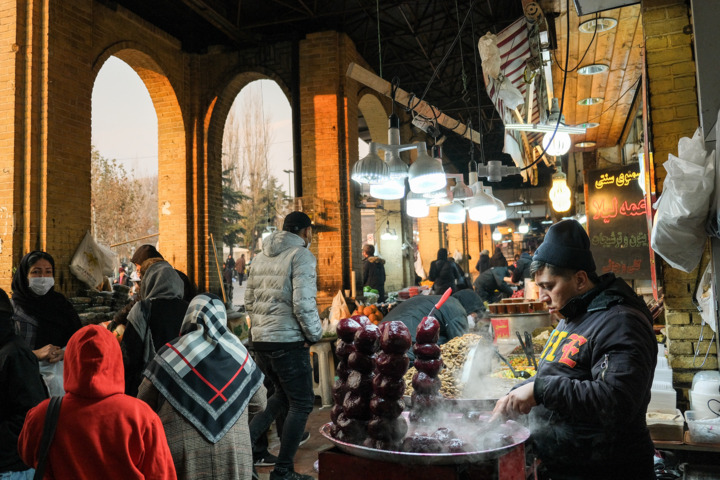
x,y
497,236
453,213
481,207
426,174
560,193
560,143
416,206
390,190
523,228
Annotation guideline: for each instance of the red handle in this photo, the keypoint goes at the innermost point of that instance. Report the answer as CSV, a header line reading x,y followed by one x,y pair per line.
x,y
444,298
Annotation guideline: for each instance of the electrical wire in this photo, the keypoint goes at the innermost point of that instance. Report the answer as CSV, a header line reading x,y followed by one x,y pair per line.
x,y
634,85
379,45
447,54
586,51
477,91
562,98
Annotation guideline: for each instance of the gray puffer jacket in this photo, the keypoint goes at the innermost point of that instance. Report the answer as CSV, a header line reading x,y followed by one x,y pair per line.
x,y
281,290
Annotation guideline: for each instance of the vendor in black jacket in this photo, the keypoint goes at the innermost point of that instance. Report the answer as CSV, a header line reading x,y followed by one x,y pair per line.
x,y
373,271
492,280
592,388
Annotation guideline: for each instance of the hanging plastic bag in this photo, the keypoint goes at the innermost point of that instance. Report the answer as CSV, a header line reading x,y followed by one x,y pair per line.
x,y
678,234
52,375
338,311
511,96
489,55
87,263
108,260
706,299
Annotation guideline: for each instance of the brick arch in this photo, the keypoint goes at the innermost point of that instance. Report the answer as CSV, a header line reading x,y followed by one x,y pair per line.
x,y
375,111
173,190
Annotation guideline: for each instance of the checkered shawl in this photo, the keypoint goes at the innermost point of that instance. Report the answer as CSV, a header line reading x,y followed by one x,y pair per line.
x,y
206,373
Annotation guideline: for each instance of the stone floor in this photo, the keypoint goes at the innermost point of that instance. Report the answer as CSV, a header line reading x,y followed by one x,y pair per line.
x,y
308,453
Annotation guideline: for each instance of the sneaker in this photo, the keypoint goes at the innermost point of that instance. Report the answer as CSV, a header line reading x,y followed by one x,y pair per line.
x,y
267,460
305,438
289,475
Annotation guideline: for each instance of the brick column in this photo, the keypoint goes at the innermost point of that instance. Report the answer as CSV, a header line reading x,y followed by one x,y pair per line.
x,y
429,229
328,102
674,114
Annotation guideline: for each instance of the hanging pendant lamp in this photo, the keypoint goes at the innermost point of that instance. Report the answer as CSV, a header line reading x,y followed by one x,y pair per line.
x,y
416,205
452,214
390,190
370,169
426,174
481,207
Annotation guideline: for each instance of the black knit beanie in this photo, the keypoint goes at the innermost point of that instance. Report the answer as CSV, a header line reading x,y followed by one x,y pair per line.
x,y
566,245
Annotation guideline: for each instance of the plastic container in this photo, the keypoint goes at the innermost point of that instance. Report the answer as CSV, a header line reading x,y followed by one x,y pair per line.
x,y
663,375
662,362
703,429
662,398
699,403
706,376
666,430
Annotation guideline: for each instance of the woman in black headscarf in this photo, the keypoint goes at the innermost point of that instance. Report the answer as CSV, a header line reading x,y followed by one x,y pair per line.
x,y
444,272
44,318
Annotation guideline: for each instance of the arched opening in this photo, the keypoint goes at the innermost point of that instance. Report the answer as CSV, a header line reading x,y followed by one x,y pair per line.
x,y
257,168
124,160
149,144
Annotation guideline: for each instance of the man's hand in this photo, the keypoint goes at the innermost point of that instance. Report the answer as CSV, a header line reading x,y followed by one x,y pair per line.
x,y
518,402
50,353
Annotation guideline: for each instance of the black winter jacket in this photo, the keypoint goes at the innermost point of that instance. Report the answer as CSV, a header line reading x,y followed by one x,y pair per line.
x,y
483,264
491,280
522,269
22,389
593,387
444,273
374,274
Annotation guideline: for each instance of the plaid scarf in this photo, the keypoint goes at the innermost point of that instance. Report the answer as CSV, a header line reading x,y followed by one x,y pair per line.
x,y
206,373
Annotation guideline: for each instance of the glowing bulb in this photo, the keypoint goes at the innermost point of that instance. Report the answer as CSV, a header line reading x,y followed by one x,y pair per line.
x,y
560,193
416,206
390,190
560,143
523,228
497,236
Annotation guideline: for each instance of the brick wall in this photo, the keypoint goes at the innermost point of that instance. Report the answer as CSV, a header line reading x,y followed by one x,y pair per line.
x,y
674,114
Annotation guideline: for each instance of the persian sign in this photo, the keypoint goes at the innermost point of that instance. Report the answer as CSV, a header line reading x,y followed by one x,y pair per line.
x,y
616,222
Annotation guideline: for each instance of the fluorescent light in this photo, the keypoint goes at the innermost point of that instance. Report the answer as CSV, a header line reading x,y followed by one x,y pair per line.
x,y
496,235
515,204
593,69
591,101
603,25
560,193
523,228
557,143
523,212
546,222
589,125
585,144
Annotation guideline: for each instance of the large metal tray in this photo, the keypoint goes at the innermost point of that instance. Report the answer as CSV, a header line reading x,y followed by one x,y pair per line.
x,y
462,405
424,458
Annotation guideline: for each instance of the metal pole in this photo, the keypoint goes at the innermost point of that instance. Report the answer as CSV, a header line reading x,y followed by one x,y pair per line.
x,y
135,240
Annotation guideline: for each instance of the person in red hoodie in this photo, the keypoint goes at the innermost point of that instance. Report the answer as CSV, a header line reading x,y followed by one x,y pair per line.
x,y
102,433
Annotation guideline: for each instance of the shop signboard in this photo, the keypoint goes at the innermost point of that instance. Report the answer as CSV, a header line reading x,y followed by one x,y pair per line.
x,y
616,220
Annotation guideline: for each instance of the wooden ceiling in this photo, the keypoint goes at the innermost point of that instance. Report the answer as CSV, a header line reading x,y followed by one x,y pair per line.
x,y
620,49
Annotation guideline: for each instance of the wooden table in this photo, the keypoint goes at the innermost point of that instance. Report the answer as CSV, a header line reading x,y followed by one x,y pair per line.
x,y
687,445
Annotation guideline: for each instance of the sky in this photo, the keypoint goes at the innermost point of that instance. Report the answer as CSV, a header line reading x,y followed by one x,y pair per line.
x,y
124,123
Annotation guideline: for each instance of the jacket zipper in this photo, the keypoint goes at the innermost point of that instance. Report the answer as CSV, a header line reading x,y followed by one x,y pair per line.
x,y
604,366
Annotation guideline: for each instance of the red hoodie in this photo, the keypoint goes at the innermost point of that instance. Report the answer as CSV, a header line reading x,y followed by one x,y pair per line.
x,y
102,433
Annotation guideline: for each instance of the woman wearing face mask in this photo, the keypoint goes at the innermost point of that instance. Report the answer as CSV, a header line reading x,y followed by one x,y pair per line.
x,y
43,317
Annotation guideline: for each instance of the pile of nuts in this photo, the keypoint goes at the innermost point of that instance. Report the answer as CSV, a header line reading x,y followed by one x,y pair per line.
x,y
454,354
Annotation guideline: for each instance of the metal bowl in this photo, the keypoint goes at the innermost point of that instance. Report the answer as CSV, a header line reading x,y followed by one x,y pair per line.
x,y
424,458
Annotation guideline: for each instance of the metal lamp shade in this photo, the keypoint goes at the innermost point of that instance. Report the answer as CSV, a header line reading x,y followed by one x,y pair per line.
x,y
370,169
426,174
390,190
416,205
453,213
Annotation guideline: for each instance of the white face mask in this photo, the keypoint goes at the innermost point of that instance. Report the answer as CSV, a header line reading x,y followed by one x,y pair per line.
x,y
308,244
41,285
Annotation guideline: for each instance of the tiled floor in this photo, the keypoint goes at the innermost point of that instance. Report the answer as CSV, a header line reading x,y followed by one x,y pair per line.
x,y
308,453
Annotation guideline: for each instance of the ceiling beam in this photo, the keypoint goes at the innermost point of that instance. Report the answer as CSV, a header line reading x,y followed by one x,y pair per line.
x,y
218,21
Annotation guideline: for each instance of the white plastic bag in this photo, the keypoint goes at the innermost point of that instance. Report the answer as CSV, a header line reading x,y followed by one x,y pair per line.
x,y
706,299
338,311
87,263
511,96
52,375
489,55
108,260
678,233
713,223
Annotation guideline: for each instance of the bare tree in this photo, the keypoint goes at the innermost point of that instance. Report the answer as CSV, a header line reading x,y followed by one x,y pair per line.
x,y
246,149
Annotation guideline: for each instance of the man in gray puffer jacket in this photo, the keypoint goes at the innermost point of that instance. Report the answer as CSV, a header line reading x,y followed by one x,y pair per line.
x,y
280,299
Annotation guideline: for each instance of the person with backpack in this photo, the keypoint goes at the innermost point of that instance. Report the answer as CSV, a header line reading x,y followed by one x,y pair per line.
x,y
445,273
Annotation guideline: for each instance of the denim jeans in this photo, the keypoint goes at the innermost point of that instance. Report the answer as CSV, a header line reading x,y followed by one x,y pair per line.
x,y
24,475
291,375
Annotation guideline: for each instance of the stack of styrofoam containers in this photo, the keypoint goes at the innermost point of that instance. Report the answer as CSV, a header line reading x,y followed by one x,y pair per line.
x,y
662,394
705,387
